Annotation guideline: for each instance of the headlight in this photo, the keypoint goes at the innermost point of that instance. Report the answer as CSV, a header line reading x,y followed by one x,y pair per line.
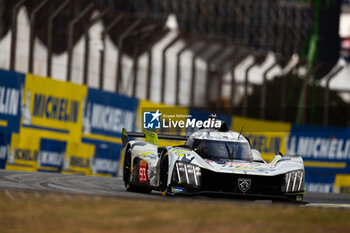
x,y
185,173
294,181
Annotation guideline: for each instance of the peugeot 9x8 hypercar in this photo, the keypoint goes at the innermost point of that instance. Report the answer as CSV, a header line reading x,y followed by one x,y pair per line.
x,y
211,161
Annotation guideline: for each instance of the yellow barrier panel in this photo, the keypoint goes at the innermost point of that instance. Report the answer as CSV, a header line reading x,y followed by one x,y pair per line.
x,y
53,108
342,183
266,136
24,152
78,158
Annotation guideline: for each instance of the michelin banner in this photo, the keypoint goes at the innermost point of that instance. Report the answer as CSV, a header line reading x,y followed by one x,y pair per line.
x,y
78,158
52,109
24,153
51,115
53,126
51,155
105,115
11,91
106,160
5,140
326,153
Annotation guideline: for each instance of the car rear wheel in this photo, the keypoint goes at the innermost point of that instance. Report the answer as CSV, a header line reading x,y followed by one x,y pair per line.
x,y
127,171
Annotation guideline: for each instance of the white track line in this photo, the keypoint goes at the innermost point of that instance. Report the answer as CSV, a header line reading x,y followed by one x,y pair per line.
x,y
328,205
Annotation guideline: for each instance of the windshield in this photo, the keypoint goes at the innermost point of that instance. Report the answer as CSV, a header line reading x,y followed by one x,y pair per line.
x,y
222,150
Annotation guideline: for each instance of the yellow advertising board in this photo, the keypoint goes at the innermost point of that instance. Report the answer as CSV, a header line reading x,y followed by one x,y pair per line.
x,y
52,108
24,152
342,183
266,136
78,158
51,111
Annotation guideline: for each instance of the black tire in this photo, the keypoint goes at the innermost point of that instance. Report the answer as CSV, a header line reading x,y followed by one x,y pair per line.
x,y
127,168
163,173
127,175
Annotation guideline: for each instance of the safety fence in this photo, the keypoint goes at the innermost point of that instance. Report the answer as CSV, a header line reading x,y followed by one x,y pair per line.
x,y
54,126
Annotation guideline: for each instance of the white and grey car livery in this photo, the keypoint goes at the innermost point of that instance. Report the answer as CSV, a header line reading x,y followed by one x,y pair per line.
x,y
212,161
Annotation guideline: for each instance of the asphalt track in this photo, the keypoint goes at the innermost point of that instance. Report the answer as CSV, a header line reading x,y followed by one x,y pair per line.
x,y
104,186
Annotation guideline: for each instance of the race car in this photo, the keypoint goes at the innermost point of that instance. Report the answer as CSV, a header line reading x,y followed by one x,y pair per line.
x,y
211,161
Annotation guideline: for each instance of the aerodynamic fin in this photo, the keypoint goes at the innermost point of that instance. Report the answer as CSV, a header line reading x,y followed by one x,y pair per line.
x,y
125,138
151,137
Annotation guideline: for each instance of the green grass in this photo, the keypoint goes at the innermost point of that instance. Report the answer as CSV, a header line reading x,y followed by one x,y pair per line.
x,y
77,213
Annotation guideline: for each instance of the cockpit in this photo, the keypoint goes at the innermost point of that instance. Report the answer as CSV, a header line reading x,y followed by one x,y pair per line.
x,y
222,150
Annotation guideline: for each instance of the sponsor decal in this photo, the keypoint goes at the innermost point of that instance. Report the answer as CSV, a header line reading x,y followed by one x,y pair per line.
x,y
299,197
24,155
177,190
107,118
79,162
319,187
245,165
51,107
106,114
105,157
9,99
51,155
78,158
56,108
51,158
244,184
320,147
143,171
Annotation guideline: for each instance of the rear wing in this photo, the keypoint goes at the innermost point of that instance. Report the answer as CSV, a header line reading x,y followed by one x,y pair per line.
x,y
150,136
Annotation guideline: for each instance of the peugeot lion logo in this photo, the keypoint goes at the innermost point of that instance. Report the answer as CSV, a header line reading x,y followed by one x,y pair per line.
x,y
244,184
